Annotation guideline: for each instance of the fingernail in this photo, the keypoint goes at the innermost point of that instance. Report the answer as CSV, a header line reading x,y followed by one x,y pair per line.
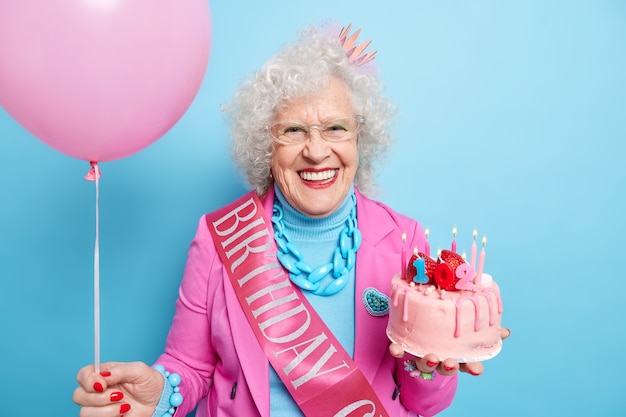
x,y
124,408
105,373
431,363
98,387
116,396
472,372
449,368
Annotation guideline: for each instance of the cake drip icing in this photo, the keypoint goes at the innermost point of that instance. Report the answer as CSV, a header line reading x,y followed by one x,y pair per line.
x,y
464,325
474,299
494,302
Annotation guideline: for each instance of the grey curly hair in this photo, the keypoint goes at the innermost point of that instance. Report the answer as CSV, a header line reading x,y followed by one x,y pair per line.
x,y
299,69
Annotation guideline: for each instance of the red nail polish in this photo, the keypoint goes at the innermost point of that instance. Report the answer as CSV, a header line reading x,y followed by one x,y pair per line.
x,y
431,363
124,408
98,387
116,396
105,373
449,368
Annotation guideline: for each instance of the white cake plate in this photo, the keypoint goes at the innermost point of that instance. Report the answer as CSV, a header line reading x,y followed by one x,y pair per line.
x,y
458,359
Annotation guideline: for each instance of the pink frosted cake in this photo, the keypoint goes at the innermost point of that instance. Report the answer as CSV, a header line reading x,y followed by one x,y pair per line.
x,y
443,307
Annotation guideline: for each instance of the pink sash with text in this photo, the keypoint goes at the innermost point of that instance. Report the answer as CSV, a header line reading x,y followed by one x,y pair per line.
x,y
319,374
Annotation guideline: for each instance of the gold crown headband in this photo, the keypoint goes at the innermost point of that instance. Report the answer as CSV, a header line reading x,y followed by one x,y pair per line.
x,y
355,53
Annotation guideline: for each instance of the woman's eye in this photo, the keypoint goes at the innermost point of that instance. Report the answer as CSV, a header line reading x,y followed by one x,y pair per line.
x,y
335,128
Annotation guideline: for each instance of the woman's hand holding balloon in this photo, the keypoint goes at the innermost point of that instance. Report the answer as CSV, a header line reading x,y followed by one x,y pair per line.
x,y
118,388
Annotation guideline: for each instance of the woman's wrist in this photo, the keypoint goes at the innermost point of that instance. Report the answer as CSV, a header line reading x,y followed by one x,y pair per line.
x,y
171,397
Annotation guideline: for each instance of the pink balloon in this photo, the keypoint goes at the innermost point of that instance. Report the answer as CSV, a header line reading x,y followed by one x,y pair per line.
x,y
101,79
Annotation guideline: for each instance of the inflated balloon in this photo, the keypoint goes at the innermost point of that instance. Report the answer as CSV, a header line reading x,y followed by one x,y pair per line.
x,y
101,79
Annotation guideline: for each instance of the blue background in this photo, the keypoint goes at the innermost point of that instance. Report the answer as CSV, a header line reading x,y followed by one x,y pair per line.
x,y
510,119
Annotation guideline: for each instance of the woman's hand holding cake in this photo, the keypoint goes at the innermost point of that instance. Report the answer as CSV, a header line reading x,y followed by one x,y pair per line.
x,y
449,366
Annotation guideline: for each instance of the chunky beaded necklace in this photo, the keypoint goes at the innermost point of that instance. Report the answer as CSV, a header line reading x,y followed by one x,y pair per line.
x,y
304,275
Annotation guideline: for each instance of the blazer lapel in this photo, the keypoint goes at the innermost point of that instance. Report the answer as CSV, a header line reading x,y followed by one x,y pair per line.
x,y
252,359
374,259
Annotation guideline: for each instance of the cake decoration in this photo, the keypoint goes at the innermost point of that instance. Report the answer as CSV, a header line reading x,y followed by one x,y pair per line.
x,y
446,306
427,244
473,252
453,249
420,271
481,262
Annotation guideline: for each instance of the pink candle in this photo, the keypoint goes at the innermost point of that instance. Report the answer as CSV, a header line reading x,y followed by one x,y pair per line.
x,y
453,239
473,253
427,247
481,263
403,257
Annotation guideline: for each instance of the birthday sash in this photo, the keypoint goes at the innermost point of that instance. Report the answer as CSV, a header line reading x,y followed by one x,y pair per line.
x,y
317,371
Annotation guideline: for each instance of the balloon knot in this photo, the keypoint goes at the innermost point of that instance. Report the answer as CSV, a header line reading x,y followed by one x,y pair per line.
x,y
95,170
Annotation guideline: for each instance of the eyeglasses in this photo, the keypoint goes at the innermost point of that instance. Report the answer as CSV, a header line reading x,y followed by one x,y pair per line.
x,y
293,132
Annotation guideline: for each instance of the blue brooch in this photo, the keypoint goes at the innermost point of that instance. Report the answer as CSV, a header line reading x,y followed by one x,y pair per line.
x,y
376,303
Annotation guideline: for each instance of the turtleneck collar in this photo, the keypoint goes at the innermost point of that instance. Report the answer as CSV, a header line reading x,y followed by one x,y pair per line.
x,y
303,227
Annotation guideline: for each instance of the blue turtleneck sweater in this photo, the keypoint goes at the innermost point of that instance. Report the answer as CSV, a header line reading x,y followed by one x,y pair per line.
x,y
317,238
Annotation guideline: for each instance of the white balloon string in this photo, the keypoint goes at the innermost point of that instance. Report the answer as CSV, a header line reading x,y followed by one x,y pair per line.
x,y
96,279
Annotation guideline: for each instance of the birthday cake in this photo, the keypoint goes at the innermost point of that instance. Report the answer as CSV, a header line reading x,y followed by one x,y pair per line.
x,y
443,306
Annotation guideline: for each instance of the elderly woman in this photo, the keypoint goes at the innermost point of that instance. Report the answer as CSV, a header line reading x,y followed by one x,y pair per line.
x,y
254,337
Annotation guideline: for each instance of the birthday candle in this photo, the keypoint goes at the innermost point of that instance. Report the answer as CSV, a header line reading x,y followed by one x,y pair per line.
x,y
473,253
420,277
453,239
481,263
427,248
403,257
464,273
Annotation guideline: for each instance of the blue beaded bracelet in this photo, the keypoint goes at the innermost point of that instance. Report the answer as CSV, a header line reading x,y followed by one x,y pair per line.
x,y
172,389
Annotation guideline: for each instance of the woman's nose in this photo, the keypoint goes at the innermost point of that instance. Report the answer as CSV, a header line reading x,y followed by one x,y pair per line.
x,y
316,148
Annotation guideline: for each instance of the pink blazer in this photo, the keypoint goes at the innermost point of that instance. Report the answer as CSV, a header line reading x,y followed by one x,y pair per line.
x,y
223,368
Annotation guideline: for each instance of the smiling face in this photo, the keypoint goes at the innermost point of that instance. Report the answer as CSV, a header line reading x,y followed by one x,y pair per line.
x,y
315,176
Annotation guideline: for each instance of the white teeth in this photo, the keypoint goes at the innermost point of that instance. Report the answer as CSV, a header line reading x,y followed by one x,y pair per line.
x,y
317,176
